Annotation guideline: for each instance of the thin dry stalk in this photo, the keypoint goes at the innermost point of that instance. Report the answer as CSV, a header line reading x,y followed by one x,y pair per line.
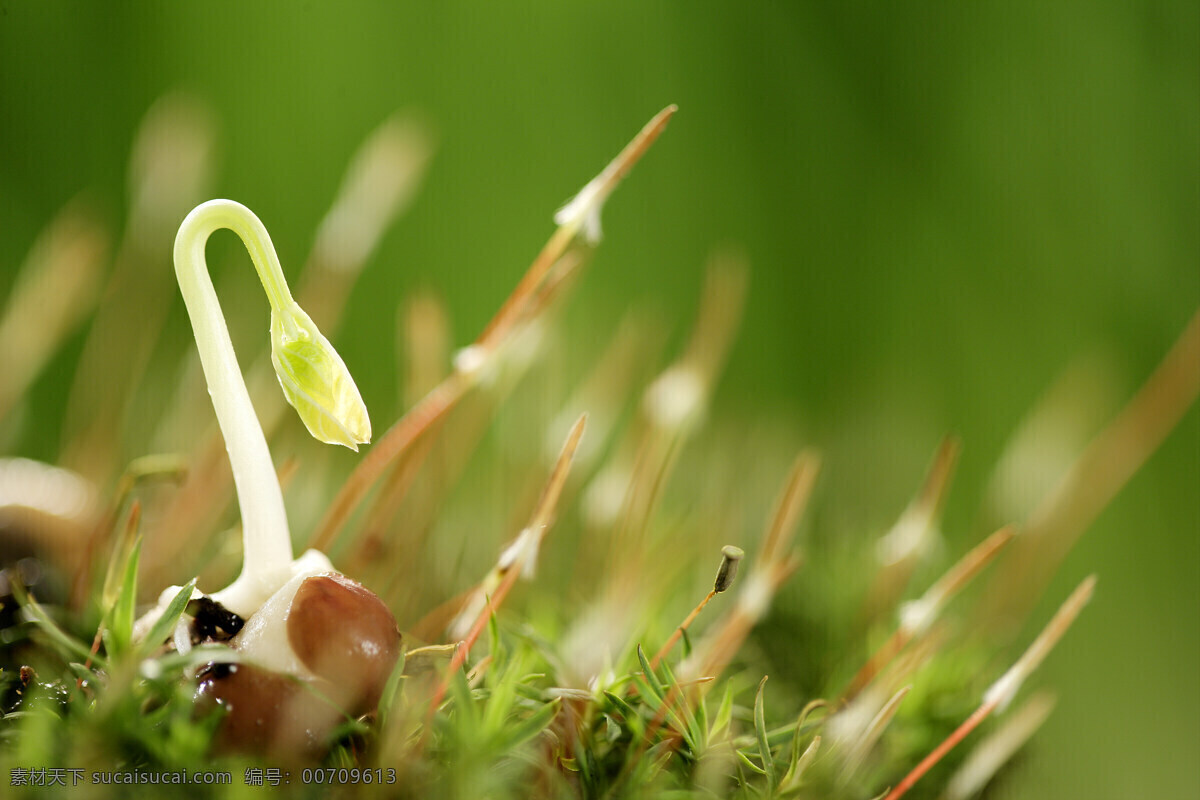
x,y
917,616
1100,472
714,653
566,233
791,504
514,559
54,291
911,537
1002,691
677,634
435,405
466,435
998,748
861,748
607,387
672,406
170,165
378,187
718,649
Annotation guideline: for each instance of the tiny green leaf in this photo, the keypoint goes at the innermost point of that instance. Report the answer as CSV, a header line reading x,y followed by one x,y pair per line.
x,y
68,645
742,757
316,381
760,729
166,623
724,713
530,727
120,616
652,681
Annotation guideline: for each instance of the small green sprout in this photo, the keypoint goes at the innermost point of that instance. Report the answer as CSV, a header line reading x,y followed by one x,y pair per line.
x,y
314,380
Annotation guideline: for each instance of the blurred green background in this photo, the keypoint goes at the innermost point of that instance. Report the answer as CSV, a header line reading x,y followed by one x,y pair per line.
x,y
943,207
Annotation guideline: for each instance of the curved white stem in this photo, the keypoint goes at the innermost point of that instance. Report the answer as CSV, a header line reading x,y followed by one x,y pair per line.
x,y
267,558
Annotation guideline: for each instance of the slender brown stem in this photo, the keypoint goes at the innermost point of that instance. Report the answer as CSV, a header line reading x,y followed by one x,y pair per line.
x,y
927,763
1100,472
678,632
433,407
878,660
446,395
934,599
539,522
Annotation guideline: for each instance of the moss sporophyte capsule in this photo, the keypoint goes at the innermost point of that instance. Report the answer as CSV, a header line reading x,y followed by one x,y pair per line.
x,y
730,557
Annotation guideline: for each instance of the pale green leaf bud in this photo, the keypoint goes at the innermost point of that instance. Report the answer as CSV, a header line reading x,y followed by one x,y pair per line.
x,y
316,382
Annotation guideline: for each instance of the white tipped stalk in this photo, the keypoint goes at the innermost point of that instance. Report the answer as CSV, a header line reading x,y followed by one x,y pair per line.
x,y
378,186
990,755
1001,693
916,616
582,213
916,531
313,378
1004,690
676,399
521,554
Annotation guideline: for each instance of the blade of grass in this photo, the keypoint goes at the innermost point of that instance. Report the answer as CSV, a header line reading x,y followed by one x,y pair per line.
x,y
760,730
66,643
165,624
120,617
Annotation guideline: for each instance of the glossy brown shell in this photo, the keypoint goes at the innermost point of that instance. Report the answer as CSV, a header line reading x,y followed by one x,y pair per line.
x,y
345,634
340,631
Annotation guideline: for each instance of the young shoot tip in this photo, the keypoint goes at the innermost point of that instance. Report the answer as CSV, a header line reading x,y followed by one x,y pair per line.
x,y
582,212
1002,692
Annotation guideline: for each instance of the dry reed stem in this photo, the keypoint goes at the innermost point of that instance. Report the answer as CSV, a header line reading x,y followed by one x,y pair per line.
x,y
442,398
617,169
901,548
170,166
862,746
1103,468
1002,691
54,291
718,649
773,566
432,408
930,605
672,405
998,748
683,626
509,570
387,503
797,489
608,384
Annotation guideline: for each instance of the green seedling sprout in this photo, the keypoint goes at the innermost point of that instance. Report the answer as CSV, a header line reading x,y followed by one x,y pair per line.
x,y
312,375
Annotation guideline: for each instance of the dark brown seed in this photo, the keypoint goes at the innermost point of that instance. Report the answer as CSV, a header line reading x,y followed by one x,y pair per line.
x,y
345,634
265,713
